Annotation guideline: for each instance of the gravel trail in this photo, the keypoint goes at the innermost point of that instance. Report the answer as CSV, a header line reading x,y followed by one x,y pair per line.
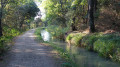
x,y
28,53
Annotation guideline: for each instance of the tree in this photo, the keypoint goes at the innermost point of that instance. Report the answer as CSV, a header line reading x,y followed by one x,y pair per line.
x,y
2,4
27,11
37,21
73,25
92,6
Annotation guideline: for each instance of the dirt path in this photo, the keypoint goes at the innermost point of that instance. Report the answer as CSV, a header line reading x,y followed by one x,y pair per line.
x,y
28,53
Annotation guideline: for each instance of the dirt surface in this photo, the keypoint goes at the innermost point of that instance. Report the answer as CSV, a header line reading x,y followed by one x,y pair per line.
x,y
28,53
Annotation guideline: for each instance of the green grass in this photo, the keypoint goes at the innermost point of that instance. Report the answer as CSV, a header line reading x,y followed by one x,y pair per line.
x,y
76,40
38,33
107,45
89,39
69,37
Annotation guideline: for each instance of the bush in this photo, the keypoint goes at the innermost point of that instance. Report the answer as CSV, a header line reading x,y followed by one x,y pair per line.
x,y
57,32
69,37
8,35
3,44
104,47
75,39
89,39
116,56
107,45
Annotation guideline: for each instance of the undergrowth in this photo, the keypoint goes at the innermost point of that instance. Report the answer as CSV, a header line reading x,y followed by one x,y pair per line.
x,y
107,45
38,33
57,32
8,35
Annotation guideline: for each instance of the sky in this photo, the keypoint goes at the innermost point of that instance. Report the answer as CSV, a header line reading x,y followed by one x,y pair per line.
x,y
42,10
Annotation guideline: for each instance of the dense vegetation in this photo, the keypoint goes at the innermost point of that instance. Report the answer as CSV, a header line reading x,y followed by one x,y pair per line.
x,y
15,18
95,22
107,45
92,24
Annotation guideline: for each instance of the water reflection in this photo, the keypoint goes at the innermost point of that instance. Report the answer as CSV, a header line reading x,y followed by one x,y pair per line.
x,y
45,35
81,56
85,58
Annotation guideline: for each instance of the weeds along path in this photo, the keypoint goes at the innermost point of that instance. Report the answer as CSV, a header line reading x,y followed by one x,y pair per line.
x,y
28,53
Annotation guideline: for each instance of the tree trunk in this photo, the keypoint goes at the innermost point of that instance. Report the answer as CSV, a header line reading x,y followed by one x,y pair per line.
x,y
1,19
91,15
95,4
0,27
21,24
73,25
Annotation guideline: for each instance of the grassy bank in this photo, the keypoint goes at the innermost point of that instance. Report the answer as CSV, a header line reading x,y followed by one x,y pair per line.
x,y
64,54
107,45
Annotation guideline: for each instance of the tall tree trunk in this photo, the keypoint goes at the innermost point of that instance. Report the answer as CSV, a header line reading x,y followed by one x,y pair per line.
x,y
21,24
95,4
29,25
91,15
73,25
1,18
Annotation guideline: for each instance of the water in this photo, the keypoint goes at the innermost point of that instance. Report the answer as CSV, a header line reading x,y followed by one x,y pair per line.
x,y
45,35
85,58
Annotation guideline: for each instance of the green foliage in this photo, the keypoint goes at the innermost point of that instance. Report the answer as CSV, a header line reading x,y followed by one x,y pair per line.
x,y
104,2
89,39
76,40
83,2
38,33
57,31
19,15
65,55
69,37
15,16
8,35
108,46
116,55
105,47
30,9
10,32
66,65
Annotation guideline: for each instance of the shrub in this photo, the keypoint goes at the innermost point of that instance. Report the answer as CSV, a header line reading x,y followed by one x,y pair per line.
x,y
89,39
116,56
107,45
104,47
69,37
76,40
57,31
8,34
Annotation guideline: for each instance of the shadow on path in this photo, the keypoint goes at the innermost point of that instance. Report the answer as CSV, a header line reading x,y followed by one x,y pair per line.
x,y
28,53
